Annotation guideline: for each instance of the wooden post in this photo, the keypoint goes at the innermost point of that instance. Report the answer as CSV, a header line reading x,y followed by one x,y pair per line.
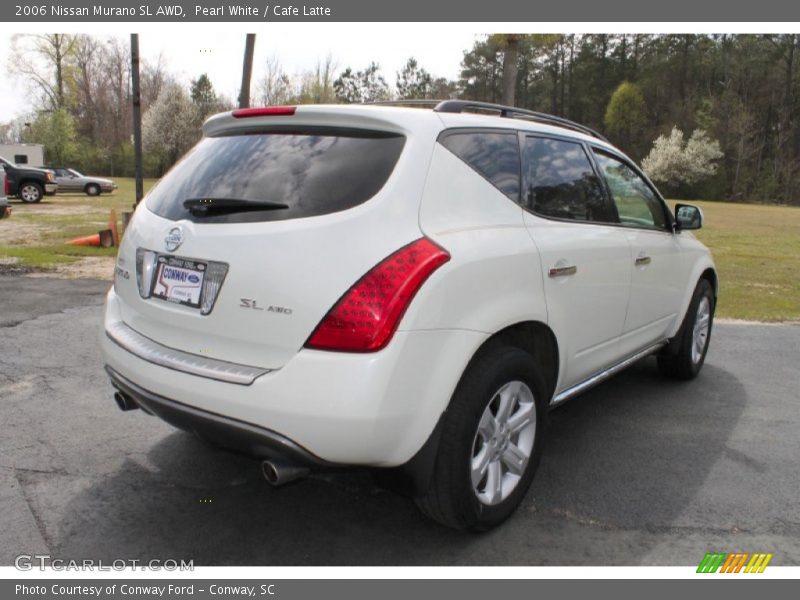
x,y
247,70
137,117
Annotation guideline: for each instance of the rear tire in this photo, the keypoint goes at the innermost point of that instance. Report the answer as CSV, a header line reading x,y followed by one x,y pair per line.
x,y
693,338
491,442
30,192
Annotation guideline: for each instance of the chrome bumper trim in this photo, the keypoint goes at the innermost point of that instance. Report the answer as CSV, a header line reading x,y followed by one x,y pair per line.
x,y
202,366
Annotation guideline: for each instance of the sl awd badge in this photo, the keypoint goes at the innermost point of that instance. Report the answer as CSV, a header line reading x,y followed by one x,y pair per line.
x,y
253,305
174,239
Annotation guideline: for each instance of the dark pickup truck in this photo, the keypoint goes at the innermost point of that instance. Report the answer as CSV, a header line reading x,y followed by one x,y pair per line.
x,y
28,184
5,211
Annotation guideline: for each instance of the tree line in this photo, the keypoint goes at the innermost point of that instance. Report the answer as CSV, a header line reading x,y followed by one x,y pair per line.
x,y
739,90
725,102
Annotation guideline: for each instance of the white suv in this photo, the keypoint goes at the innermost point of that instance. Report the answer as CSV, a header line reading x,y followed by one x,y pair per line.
x,y
397,287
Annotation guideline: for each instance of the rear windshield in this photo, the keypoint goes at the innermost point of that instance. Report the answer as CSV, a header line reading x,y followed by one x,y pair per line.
x,y
312,171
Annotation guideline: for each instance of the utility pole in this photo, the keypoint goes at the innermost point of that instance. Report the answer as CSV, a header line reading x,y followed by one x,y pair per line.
x,y
247,70
510,69
137,117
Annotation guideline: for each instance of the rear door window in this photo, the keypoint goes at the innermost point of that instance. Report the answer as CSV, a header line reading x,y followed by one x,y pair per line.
x,y
313,172
560,182
493,155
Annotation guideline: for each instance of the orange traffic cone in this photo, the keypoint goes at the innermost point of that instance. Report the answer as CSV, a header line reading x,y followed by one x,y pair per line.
x,y
89,240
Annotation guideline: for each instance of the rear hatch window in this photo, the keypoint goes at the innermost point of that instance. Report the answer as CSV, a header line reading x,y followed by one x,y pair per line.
x,y
276,175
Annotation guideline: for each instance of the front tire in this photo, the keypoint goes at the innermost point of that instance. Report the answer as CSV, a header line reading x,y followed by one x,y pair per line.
x,y
694,336
30,192
92,189
491,442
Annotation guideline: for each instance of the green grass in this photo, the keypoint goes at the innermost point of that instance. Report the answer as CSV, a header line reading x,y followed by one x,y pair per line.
x,y
756,248
37,257
757,252
36,234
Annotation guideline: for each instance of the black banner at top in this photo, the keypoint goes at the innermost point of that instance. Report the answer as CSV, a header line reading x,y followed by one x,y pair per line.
x,y
258,11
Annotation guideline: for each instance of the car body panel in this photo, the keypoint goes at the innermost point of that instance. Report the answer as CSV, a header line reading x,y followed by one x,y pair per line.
x,y
489,282
696,262
72,181
599,286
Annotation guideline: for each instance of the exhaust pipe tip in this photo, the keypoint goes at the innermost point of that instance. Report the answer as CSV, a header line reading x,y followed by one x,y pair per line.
x,y
270,472
125,404
278,473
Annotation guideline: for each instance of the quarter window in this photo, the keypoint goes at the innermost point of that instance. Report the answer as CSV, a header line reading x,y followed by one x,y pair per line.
x,y
560,182
493,155
636,202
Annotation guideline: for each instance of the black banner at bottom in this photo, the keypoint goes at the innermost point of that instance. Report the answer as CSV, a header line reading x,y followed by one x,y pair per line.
x,y
389,589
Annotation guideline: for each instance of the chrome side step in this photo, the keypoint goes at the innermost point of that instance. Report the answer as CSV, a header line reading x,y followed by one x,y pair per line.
x,y
605,374
185,362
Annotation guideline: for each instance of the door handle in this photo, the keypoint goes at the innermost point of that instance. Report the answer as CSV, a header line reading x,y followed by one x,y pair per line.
x,y
642,259
562,271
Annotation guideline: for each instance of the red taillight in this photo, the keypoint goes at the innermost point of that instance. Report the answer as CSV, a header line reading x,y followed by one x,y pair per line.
x,y
366,317
6,187
264,111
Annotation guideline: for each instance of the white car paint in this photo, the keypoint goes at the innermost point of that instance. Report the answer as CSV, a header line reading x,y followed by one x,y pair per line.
x,y
379,408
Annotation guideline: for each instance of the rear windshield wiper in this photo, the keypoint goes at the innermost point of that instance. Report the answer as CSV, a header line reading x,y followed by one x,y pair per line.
x,y
210,206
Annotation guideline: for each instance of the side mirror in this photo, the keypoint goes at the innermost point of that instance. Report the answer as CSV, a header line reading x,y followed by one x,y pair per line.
x,y
688,216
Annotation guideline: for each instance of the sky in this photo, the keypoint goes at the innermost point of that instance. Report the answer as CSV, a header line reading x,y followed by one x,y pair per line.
x,y
190,51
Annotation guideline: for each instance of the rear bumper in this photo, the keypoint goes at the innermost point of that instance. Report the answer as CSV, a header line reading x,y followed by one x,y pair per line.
x,y
50,188
374,409
227,432
158,354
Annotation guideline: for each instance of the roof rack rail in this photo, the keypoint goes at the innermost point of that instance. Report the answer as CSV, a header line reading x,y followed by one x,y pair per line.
x,y
413,102
459,106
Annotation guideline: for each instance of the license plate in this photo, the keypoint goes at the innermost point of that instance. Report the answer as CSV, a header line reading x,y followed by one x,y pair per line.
x,y
179,280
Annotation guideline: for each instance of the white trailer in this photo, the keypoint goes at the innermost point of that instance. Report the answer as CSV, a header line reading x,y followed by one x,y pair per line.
x,y
31,155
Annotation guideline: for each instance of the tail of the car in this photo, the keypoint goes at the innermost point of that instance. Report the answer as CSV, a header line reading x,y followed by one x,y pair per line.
x,y
327,255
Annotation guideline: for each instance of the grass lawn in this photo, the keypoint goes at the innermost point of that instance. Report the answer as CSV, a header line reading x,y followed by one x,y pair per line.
x,y
757,252
756,248
36,234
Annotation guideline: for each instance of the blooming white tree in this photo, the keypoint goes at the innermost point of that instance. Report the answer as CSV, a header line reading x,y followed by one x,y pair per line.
x,y
674,161
170,125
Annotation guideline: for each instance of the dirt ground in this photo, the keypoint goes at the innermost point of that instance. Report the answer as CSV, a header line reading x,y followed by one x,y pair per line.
x,y
17,233
90,267
20,232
